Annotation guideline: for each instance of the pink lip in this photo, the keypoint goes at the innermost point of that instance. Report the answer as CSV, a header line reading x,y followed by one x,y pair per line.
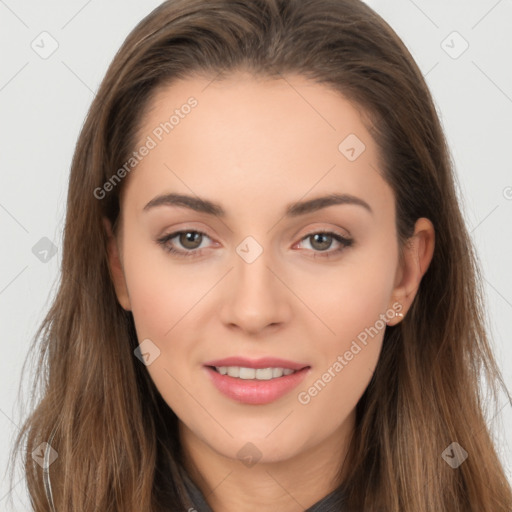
x,y
265,362
253,391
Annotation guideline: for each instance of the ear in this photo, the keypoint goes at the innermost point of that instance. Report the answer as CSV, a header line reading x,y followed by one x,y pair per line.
x,y
418,252
116,269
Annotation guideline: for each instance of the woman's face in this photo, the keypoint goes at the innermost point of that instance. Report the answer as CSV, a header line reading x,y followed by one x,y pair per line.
x,y
254,278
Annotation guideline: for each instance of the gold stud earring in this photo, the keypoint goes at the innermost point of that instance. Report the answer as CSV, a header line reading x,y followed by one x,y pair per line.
x,y
398,314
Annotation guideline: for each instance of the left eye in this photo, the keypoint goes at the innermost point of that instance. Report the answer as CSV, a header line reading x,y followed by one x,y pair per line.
x,y
191,240
321,241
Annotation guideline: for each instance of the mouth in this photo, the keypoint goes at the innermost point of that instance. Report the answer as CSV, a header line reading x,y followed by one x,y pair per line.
x,y
255,386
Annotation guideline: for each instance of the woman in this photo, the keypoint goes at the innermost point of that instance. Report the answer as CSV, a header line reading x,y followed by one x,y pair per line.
x,y
269,298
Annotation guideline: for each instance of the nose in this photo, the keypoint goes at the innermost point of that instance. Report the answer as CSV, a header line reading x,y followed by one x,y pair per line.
x,y
256,298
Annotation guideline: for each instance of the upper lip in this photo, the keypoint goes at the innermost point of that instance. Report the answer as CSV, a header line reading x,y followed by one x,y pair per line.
x,y
264,362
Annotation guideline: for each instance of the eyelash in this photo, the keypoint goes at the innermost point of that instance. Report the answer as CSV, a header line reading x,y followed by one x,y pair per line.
x,y
345,242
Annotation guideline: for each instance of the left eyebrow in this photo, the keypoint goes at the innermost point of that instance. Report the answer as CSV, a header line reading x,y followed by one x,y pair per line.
x,y
292,210
303,207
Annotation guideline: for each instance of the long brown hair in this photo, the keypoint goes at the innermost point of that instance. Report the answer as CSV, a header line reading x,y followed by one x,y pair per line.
x,y
116,439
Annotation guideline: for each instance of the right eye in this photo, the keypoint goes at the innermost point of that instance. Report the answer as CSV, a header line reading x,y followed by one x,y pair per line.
x,y
187,238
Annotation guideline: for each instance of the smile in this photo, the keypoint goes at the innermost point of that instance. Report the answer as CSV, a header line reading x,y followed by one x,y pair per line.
x,y
255,386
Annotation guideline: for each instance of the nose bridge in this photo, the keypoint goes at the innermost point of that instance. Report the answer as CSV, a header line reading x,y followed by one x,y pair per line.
x,y
257,298
254,279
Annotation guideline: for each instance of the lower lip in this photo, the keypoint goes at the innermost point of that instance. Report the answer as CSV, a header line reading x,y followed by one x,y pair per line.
x,y
256,392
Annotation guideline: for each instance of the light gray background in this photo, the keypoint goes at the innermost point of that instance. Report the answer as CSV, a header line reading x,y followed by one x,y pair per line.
x,y
44,101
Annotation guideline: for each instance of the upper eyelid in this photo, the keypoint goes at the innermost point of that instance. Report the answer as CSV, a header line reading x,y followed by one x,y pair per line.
x,y
343,232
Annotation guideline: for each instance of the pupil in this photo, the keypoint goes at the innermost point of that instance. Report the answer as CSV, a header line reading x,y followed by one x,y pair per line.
x,y
189,239
325,245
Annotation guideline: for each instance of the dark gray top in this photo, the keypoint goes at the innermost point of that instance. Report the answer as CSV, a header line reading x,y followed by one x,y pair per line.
x,y
327,504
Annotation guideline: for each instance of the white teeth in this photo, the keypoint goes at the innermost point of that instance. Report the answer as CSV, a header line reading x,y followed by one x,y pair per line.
x,y
252,373
233,371
264,373
247,373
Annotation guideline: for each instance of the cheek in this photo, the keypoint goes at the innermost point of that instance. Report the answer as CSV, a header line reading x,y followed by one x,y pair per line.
x,y
353,302
333,392
161,294
351,295
162,302
346,364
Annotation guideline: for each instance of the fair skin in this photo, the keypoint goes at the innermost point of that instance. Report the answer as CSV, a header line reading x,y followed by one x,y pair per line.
x,y
254,146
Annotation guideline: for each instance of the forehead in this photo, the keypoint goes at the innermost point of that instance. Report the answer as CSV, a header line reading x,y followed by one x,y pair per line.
x,y
255,103
256,137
